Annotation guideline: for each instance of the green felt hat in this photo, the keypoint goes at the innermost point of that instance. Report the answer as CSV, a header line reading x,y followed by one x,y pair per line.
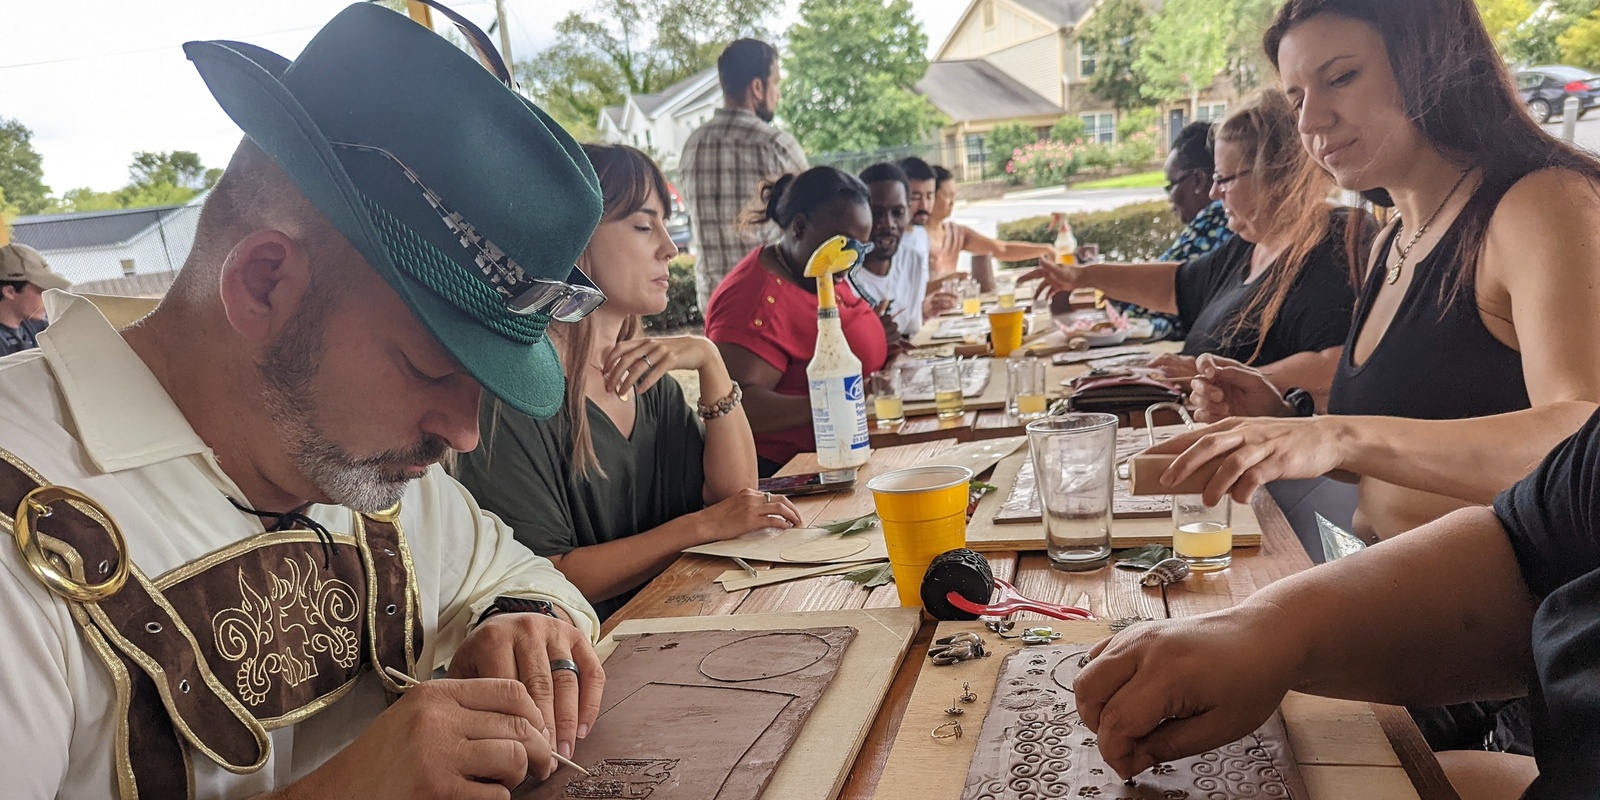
x,y
457,190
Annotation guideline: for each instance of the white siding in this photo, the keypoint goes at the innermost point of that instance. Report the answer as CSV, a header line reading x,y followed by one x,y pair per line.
x,y
974,38
1034,65
157,250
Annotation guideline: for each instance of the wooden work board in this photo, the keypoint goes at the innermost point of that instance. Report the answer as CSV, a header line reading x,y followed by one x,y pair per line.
x,y
816,766
986,536
1340,745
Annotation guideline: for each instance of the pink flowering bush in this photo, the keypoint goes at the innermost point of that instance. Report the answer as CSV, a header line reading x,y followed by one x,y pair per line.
x,y
1045,163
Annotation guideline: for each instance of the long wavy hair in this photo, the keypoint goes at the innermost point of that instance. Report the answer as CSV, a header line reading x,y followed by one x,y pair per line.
x,y
629,180
1459,94
1264,128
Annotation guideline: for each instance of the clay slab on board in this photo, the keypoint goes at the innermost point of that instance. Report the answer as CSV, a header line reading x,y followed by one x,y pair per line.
x,y
700,715
1033,745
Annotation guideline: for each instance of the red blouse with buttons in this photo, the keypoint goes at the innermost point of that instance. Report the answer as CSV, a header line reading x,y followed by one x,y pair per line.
x,y
777,321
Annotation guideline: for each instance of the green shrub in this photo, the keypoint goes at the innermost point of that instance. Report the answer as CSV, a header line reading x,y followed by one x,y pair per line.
x,y
1046,163
1003,142
1137,149
683,304
1139,119
1068,129
1139,232
1096,156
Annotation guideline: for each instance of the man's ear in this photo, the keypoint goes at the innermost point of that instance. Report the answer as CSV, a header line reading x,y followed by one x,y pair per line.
x,y
756,92
264,281
7,292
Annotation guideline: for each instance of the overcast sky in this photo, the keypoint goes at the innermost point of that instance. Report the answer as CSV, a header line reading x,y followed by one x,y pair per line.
x,y
97,80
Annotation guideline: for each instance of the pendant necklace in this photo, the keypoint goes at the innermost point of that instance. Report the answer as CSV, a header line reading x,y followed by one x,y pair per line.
x,y
1405,251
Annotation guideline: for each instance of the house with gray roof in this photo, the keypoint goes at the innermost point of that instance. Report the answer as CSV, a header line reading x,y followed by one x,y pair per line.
x,y
132,251
661,122
1021,61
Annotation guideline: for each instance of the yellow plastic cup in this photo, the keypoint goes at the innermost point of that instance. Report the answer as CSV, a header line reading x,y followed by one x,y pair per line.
x,y
1005,331
923,511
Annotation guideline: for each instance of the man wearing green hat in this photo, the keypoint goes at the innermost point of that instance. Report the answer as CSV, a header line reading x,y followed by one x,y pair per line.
x,y
235,548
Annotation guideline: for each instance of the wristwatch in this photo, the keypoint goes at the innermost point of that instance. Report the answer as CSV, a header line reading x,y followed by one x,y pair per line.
x,y
1301,401
518,605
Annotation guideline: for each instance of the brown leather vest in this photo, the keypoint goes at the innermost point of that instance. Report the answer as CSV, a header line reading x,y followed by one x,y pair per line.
x,y
210,656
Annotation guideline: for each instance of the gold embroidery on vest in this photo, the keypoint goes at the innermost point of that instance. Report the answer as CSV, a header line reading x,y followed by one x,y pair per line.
x,y
275,634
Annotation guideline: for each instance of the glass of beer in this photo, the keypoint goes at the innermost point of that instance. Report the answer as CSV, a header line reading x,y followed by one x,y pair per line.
x,y
1202,535
1005,290
947,390
1025,388
888,404
971,302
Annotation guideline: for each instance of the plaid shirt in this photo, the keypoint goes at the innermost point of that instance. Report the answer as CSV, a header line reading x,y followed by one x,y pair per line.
x,y
722,165
1206,232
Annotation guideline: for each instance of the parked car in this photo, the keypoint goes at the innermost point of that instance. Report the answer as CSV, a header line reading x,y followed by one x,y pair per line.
x,y
1545,90
678,220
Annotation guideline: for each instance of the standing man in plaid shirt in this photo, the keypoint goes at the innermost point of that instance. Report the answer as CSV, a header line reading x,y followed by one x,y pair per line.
x,y
726,159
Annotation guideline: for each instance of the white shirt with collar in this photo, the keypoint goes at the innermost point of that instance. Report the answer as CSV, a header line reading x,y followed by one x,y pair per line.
x,y
85,412
906,284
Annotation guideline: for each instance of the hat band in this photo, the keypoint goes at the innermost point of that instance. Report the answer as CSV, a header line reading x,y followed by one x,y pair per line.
x,y
411,253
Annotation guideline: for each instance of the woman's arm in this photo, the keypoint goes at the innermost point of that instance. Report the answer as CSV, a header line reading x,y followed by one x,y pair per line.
x,y
769,411
605,570
1312,371
730,454
980,245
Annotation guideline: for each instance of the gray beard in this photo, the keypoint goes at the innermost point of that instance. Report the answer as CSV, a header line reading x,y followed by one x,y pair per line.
x,y
287,370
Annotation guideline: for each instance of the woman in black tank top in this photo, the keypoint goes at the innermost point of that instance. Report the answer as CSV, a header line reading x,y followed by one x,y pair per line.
x,y
1471,354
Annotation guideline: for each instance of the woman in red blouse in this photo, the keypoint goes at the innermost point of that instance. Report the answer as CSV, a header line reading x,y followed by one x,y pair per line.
x,y
764,315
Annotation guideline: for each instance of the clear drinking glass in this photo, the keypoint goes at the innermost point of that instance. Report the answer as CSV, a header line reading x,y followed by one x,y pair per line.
x,y
1025,388
971,302
888,405
1073,463
1201,535
1005,291
947,391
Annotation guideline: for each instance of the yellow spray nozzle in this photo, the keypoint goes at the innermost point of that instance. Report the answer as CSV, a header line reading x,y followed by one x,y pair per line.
x,y
835,255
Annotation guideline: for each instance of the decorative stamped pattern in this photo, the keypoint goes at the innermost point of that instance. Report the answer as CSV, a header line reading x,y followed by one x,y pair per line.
x,y
1031,750
279,632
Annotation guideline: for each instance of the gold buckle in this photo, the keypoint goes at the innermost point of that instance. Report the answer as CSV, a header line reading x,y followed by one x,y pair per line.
x,y
35,505
386,516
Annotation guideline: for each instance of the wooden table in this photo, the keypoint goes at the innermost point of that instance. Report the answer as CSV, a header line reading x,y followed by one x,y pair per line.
x,y
688,588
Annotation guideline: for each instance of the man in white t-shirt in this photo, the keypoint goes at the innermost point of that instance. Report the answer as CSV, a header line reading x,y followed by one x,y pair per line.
x,y
896,271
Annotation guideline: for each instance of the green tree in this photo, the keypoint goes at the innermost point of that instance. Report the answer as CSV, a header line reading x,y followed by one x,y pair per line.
x,y
22,169
1186,50
1580,44
180,168
1503,17
1004,140
620,47
1246,61
1068,129
86,199
1115,35
852,64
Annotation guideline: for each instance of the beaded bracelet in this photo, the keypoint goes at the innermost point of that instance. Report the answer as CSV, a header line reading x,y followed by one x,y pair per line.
x,y
722,407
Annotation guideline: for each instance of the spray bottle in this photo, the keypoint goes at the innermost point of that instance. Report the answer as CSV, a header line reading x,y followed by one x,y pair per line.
x,y
838,395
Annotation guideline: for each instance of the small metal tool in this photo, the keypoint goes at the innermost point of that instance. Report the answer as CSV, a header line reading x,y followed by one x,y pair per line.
x,y
409,682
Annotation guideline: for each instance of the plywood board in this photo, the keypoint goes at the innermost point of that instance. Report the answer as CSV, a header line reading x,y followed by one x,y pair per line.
x,y
816,765
985,536
993,394
800,546
1340,745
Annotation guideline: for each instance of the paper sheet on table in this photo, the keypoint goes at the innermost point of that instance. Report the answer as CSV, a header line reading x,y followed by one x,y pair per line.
x,y
800,546
978,456
735,580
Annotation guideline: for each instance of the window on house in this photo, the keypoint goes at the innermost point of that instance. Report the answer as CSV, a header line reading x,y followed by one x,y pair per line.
x,y
1042,132
976,154
1099,127
1211,112
1088,59
988,14
127,266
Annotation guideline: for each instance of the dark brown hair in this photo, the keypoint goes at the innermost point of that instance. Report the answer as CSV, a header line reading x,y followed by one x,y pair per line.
x,y
1459,94
628,181
1296,190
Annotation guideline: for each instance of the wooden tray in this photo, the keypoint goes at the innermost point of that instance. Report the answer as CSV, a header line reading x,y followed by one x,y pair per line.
x,y
816,766
984,535
1340,745
992,397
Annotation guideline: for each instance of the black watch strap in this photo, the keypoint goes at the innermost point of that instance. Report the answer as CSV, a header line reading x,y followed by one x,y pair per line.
x,y
1302,402
518,605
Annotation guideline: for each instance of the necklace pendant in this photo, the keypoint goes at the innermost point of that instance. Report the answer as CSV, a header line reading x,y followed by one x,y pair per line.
x,y
1394,275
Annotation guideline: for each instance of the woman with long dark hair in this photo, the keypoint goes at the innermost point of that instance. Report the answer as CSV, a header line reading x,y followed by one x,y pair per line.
x,y
1279,294
1492,294
1472,352
764,314
615,486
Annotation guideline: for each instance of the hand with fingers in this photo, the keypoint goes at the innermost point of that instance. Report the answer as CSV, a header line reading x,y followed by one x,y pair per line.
x,y
891,327
442,740
937,303
640,364
1255,452
1165,690
1223,388
746,511
1175,366
1056,278
551,658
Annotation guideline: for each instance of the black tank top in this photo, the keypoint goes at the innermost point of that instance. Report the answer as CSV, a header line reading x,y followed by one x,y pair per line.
x,y
1433,362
